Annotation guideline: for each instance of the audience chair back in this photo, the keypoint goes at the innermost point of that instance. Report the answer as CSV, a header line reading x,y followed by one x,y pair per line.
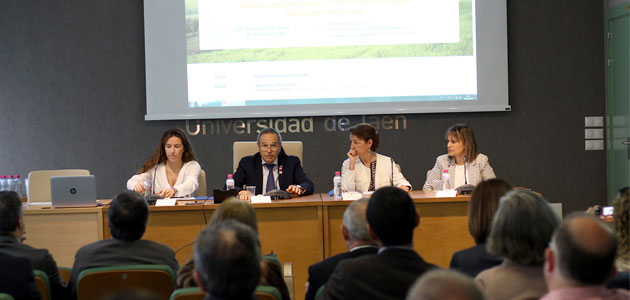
x,y
202,190
265,292
4,296
242,149
319,295
39,183
191,293
557,208
65,273
95,283
42,283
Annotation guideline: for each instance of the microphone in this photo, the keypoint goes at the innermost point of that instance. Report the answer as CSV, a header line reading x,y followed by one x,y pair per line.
x,y
465,189
391,179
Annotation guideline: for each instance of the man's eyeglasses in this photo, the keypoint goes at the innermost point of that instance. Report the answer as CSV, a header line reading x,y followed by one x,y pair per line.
x,y
266,147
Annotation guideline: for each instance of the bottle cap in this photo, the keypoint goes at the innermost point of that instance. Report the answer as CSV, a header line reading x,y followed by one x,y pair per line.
x,y
10,176
337,173
446,171
229,175
17,176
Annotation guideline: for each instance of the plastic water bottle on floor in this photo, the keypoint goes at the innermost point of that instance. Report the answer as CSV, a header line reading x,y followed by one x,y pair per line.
x,y
3,183
229,182
337,185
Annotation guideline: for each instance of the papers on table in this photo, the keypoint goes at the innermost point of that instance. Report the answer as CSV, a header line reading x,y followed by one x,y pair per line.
x,y
261,199
446,193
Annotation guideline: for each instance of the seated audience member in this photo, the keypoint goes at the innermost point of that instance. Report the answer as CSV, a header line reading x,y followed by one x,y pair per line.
x,y
391,217
227,261
127,217
483,204
445,285
173,169
12,229
621,221
16,277
271,168
365,170
520,232
462,153
243,212
358,242
580,260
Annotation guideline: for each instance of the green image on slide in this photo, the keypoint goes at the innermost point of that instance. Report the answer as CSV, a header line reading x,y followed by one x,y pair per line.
x,y
463,48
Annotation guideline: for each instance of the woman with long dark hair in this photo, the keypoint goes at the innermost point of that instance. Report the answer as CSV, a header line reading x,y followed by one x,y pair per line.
x,y
172,170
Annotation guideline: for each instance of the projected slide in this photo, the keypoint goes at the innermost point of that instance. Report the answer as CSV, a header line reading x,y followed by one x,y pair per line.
x,y
243,53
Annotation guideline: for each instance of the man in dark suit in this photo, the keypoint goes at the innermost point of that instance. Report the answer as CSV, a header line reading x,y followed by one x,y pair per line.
x,y
357,239
12,229
127,215
391,217
271,168
227,261
16,277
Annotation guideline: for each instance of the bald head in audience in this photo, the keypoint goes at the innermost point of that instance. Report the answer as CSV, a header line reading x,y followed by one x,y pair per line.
x,y
445,285
581,253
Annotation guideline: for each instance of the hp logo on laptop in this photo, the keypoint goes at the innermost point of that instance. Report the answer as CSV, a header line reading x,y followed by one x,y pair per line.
x,y
73,191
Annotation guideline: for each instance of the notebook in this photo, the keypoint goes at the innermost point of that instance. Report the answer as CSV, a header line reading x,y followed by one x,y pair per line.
x,y
73,191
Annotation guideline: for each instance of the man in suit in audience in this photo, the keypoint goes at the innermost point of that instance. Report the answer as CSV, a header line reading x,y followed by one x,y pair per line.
x,y
580,260
358,241
391,217
127,215
445,284
16,277
271,168
227,261
12,229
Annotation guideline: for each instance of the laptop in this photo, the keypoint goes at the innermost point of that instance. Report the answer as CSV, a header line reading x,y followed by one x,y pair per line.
x,y
73,191
220,195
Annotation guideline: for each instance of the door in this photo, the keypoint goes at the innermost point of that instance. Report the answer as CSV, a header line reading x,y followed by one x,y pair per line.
x,y
618,97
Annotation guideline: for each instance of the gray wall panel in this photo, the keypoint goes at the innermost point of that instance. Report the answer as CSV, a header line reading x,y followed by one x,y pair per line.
x,y
72,95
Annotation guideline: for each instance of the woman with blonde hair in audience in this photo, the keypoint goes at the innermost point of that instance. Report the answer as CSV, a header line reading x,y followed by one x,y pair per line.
x,y
520,232
172,170
482,206
243,212
463,157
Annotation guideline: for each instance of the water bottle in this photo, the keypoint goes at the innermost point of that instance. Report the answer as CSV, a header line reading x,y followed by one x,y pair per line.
x,y
3,183
229,182
10,183
337,185
147,184
18,185
446,185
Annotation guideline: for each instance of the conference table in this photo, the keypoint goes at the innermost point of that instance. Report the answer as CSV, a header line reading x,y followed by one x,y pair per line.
x,y
301,231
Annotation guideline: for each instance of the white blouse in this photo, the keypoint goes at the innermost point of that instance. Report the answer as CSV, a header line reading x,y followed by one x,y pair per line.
x,y
186,184
387,174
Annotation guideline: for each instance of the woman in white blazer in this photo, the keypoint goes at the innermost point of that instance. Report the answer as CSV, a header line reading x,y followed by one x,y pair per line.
x,y
463,157
365,170
173,169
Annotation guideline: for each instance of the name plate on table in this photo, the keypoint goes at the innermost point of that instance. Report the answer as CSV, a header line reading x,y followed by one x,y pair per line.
x,y
261,199
350,196
446,193
166,202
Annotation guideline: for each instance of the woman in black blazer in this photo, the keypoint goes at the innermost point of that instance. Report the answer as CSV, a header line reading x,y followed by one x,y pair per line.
x,y
484,202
